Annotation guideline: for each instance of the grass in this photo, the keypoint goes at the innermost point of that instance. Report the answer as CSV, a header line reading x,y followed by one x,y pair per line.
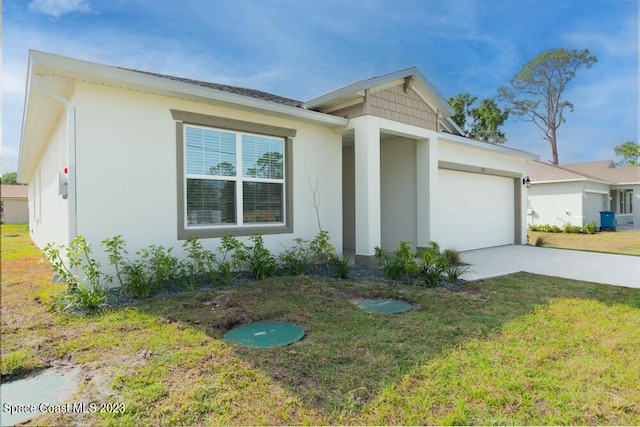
x,y
619,242
519,349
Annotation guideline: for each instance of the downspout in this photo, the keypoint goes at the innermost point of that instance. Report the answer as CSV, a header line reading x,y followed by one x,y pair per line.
x,y
71,152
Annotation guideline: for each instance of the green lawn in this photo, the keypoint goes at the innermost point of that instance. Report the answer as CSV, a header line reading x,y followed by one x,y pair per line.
x,y
619,242
520,349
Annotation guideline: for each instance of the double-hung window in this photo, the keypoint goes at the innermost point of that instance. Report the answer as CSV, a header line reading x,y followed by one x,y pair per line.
x,y
233,178
233,181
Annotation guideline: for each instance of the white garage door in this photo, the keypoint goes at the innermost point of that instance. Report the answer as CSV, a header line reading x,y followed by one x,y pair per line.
x,y
474,210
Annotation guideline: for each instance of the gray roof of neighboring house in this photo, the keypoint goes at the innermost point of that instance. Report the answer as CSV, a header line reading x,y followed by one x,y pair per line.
x,y
605,170
601,170
258,94
14,191
544,172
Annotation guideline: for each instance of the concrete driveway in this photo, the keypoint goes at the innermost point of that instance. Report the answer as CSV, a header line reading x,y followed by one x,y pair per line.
x,y
620,270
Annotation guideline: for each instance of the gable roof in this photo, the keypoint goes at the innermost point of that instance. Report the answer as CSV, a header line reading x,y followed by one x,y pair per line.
x,y
603,171
14,191
51,77
356,90
606,170
540,172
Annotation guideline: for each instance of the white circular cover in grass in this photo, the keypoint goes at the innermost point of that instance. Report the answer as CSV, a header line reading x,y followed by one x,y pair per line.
x,y
390,306
265,334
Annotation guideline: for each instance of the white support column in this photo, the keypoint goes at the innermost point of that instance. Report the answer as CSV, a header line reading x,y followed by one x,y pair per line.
x,y
367,171
427,176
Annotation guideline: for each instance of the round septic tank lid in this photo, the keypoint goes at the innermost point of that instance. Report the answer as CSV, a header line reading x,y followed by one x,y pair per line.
x,y
390,306
265,334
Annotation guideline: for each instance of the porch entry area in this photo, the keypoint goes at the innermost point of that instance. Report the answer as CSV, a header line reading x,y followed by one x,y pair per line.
x,y
395,189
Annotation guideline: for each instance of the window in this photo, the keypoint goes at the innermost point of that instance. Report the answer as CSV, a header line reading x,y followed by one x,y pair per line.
x,y
625,205
233,177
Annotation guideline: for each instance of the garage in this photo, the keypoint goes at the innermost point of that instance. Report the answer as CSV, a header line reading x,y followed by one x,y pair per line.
x,y
474,210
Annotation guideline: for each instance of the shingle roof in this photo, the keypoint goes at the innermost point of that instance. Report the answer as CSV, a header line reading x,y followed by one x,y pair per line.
x,y
252,93
605,170
544,172
14,191
600,170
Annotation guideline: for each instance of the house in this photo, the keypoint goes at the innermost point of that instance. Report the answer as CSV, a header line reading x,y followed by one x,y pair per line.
x,y
577,193
14,207
159,159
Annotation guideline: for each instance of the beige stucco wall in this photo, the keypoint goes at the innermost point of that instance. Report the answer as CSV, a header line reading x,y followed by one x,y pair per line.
x,y
126,156
15,211
398,210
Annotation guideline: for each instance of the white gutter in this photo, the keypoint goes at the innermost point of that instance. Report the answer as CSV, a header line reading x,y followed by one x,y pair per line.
x,y
71,151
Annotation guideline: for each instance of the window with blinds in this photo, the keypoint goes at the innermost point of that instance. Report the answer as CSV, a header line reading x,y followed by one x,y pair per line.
x,y
233,178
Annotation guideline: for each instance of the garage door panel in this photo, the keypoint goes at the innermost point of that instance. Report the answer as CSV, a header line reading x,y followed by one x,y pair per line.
x,y
474,210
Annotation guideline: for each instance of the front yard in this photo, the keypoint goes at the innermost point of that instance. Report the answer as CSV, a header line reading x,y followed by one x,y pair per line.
x,y
619,242
520,349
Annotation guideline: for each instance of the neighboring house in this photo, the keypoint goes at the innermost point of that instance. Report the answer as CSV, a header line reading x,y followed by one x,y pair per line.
x,y
159,159
14,208
577,193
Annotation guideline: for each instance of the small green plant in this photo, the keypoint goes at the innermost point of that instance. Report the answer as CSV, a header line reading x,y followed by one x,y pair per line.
x,y
78,256
339,267
556,229
83,298
590,228
455,272
199,263
117,253
399,264
433,265
226,261
256,259
321,248
297,259
568,228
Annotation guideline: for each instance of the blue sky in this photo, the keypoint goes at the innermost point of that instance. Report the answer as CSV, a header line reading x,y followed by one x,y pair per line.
x,y
301,49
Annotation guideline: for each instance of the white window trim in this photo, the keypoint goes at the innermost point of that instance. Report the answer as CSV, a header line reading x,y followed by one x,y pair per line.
x,y
239,179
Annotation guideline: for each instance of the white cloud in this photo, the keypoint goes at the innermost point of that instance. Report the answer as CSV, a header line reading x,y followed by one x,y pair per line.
x,y
58,8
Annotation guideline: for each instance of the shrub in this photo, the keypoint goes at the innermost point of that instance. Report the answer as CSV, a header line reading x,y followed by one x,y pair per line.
x,y
556,229
432,265
455,272
568,228
199,262
78,296
226,262
321,248
398,264
296,260
339,267
590,228
256,259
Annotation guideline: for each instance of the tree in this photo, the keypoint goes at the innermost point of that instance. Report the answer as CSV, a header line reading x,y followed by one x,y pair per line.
x,y
10,178
461,104
485,120
535,94
630,153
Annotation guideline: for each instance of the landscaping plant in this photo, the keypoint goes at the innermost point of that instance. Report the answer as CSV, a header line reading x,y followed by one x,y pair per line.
x,y
78,257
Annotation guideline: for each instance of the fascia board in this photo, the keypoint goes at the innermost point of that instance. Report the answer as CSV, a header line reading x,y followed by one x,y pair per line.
x,y
558,181
491,147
